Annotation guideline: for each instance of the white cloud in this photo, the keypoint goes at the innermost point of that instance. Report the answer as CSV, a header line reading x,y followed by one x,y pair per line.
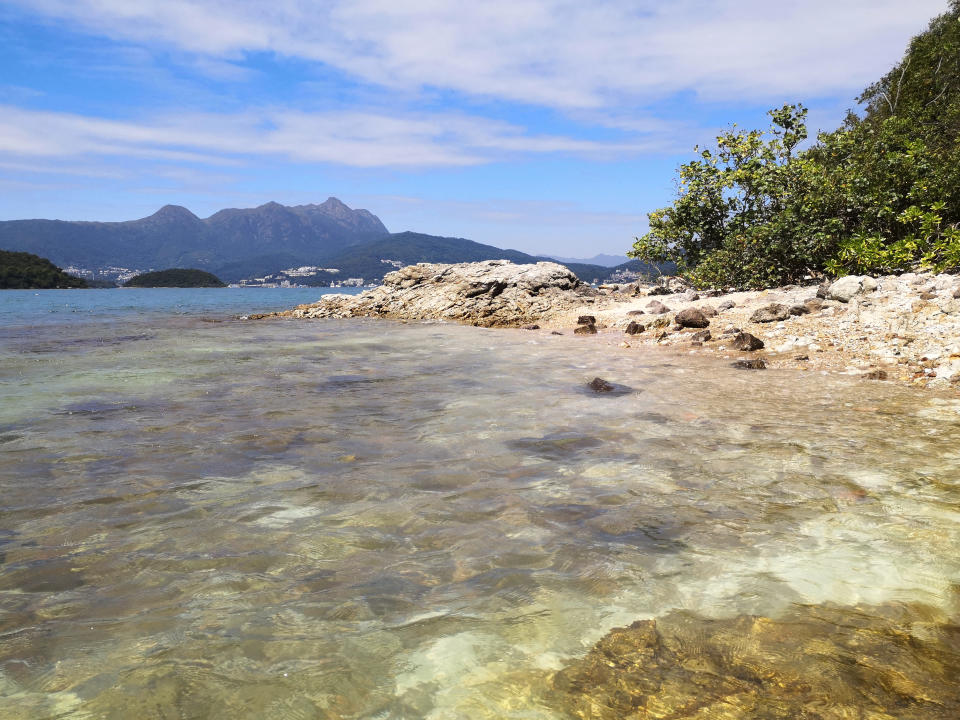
x,y
558,53
351,138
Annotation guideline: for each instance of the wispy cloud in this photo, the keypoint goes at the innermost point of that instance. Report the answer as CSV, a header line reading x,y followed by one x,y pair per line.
x,y
351,138
555,53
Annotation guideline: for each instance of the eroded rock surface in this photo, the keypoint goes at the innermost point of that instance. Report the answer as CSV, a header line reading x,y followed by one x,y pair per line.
x,y
494,293
817,663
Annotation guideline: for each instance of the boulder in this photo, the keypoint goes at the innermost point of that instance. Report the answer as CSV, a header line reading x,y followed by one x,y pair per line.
x,y
846,288
770,313
657,308
691,318
634,328
586,320
747,342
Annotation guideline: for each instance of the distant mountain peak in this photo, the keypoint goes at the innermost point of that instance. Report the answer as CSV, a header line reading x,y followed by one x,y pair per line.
x,y
173,212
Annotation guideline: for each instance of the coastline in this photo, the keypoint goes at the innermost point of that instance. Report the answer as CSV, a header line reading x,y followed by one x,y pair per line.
x,y
906,330
899,328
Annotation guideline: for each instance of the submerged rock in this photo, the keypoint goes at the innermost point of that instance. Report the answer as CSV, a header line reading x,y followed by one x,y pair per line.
x,y
817,662
585,330
751,364
600,385
494,293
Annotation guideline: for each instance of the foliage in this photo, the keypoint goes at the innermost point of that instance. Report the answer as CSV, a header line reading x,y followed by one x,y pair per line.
x,y
880,194
176,277
25,271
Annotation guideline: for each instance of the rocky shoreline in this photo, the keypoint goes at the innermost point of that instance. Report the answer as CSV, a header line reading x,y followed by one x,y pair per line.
x,y
902,328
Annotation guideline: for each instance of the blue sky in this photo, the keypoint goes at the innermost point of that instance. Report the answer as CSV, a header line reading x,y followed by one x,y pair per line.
x,y
550,126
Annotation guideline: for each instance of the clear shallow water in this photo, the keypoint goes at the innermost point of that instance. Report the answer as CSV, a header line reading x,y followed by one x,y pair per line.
x,y
367,519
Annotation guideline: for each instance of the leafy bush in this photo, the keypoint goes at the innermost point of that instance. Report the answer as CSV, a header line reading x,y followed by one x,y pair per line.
x,y
880,194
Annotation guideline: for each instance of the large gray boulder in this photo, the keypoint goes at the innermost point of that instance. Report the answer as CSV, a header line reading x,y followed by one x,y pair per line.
x,y
494,293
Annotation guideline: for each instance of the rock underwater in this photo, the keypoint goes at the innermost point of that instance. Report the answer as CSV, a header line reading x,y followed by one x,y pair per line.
x,y
819,662
493,293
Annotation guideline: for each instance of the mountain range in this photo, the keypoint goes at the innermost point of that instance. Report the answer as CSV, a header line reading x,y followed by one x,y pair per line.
x,y
243,243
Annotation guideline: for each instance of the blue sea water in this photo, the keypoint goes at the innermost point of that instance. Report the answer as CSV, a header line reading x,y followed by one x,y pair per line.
x,y
31,307
206,517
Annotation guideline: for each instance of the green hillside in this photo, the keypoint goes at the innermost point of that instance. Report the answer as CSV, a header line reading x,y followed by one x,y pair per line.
x,y
25,271
176,277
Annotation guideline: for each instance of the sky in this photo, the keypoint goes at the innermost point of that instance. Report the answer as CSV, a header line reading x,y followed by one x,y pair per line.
x,y
548,126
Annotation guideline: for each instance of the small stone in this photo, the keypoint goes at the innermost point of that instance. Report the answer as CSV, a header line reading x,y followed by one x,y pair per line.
x,y
657,308
634,328
692,318
634,313
691,296
876,375
556,332
709,311
726,305
701,336
770,313
799,310
747,342
814,304
599,385
586,320
530,327
801,358
956,293
926,295
752,364
661,322
590,329
712,293
823,291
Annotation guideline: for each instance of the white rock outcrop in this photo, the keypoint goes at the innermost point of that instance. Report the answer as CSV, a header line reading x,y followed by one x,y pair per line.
x,y
493,293
846,288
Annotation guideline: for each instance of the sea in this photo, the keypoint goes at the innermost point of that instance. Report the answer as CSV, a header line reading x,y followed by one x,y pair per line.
x,y
203,516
